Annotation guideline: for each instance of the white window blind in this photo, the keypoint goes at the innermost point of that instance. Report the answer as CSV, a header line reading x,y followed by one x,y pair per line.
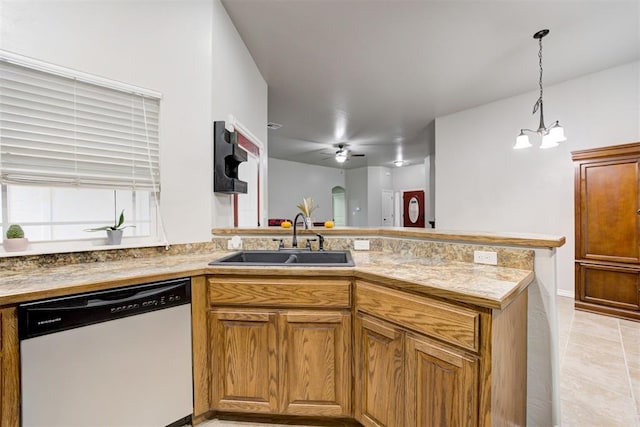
x,y
57,128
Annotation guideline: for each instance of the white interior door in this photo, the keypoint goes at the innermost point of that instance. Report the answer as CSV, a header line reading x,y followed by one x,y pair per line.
x,y
387,208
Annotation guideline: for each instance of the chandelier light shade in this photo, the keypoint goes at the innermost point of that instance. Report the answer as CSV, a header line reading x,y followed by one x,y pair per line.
x,y
550,136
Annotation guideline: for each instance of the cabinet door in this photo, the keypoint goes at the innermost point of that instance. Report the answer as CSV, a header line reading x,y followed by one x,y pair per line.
x,y
10,374
441,385
611,286
609,203
315,363
379,355
243,361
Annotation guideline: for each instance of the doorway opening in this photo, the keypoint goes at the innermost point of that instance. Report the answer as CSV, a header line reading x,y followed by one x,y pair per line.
x,y
338,198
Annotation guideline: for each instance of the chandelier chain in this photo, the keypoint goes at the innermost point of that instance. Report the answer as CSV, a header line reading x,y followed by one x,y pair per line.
x,y
540,62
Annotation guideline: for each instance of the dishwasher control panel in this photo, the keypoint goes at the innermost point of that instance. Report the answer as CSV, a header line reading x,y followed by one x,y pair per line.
x,y
53,315
171,299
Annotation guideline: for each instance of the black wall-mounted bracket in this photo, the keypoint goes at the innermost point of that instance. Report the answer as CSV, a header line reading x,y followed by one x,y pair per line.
x,y
227,156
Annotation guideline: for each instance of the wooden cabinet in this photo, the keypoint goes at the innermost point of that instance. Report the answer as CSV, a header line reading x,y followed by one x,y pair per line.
x,y
315,355
379,393
424,362
404,379
10,375
608,287
441,385
409,379
280,346
283,346
244,365
607,230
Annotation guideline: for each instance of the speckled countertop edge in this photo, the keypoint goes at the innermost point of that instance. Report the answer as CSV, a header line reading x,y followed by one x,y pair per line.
x,y
530,240
481,285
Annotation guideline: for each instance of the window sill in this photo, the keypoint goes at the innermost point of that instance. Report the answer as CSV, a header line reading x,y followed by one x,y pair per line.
x,y
45,248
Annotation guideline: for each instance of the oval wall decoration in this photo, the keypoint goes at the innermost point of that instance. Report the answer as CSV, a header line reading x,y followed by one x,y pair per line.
x,y
413,206
414,210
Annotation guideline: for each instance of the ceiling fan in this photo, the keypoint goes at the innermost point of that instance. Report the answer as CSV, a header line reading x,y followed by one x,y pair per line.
x,y
343,154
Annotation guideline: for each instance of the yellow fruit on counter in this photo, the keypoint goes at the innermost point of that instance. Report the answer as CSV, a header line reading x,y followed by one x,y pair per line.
x,y
285,224
328,224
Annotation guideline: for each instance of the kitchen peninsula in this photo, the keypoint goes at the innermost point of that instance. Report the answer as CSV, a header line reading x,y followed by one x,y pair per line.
x,y
419,295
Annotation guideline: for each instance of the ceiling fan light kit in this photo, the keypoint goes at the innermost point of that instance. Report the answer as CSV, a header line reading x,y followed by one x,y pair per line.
x,y
550,136
343,154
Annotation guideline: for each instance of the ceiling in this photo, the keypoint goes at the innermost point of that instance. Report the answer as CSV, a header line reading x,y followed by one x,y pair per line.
x,y
374,74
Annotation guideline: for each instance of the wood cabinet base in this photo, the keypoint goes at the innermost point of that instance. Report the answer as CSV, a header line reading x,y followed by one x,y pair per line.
x,y
284,419
608,311
610,289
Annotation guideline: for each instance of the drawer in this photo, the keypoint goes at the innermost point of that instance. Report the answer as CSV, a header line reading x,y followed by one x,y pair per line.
x,y
608,285
280,292
456,325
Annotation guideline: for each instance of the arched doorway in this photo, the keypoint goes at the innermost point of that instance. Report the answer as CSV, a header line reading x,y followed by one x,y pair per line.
x,y
339,203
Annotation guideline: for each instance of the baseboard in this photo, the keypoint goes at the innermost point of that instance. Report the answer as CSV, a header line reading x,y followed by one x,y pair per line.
x,y
564,293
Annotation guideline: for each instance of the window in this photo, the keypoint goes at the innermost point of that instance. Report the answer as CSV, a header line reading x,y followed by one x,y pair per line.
x,y
75,150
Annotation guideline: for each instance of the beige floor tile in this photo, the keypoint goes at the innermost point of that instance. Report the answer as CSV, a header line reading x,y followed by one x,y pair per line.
x,y
596,325
597,387
594,330
578,412
630,332
598,365
565,307
634,377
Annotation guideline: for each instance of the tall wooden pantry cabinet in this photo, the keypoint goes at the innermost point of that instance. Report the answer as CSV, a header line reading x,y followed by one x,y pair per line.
x,y
607,230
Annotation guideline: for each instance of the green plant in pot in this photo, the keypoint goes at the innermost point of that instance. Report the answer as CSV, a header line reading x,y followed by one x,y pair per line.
x,y
114,232
14,240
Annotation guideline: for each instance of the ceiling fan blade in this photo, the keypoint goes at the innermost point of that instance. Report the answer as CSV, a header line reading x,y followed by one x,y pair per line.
x,y
357,155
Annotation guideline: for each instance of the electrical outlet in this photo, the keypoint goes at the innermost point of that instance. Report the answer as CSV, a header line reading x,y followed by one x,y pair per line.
x,y
361,245
485,257
234,243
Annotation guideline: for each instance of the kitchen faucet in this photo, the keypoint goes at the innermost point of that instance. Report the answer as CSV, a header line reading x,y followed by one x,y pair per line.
x,y
294,242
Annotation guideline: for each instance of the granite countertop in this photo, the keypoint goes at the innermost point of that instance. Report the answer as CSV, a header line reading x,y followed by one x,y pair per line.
x,y
482,285
533,240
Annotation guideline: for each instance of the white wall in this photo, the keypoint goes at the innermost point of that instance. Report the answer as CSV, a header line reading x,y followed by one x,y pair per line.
x,y
167,47
430,176
409,178
483,184
238,89
357,205
290,182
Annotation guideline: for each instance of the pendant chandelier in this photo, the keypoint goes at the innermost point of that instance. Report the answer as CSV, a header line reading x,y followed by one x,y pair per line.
x,y
550,136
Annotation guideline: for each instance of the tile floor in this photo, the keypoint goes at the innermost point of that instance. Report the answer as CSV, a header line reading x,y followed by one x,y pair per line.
x,y
599,371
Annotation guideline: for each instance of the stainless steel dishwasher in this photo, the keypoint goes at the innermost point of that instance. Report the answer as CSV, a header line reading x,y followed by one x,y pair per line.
x,y
117,358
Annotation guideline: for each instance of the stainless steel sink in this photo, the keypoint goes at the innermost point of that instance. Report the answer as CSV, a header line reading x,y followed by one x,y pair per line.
x,y
288,257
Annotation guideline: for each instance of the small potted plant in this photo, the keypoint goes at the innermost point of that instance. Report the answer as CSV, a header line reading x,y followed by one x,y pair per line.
x,y
15,240
114,232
